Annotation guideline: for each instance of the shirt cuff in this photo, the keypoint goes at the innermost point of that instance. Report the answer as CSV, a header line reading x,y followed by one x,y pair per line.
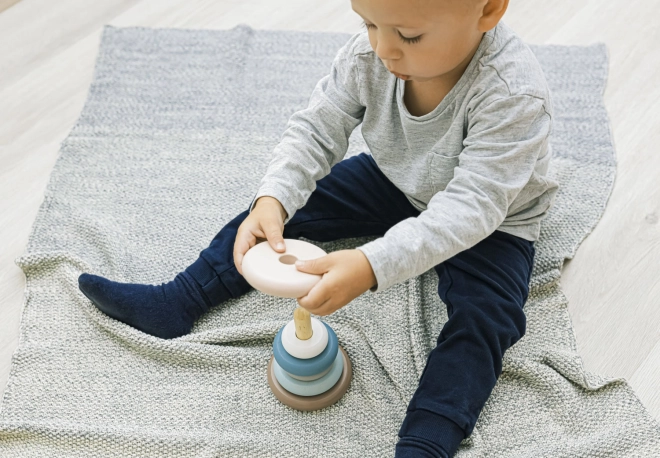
x,y
378,255
431,427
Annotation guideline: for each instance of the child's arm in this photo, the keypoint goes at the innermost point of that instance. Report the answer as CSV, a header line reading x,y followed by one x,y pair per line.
x,y
504,140
316,138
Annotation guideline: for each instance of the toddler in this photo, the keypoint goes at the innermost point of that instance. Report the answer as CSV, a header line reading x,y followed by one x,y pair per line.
x,y
457,115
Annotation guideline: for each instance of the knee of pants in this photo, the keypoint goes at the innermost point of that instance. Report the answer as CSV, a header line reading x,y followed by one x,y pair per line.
x,y
495,320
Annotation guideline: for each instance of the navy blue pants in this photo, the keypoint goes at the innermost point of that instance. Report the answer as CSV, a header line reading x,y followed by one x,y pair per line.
x,y
483,287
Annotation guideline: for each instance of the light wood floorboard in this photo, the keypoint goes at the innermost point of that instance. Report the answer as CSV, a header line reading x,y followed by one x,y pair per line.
x,y
47,53
4,4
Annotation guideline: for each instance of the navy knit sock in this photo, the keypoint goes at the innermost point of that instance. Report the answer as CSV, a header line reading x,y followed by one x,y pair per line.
x,y
168,310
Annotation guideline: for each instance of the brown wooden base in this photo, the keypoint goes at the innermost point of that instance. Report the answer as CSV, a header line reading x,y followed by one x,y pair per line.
x,y
308,403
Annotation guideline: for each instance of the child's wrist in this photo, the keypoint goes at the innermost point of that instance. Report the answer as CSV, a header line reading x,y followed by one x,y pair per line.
x,y
370,275
272,201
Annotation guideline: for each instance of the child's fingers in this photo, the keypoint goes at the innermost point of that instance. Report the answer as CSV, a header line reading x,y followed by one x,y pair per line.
x,y
244,241
257,225
316,298
273,232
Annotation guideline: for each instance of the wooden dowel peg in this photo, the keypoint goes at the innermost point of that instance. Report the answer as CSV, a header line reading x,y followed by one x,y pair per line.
x,y
303,322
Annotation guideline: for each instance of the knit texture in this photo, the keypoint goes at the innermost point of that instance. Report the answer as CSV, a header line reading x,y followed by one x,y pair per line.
x,y
176,133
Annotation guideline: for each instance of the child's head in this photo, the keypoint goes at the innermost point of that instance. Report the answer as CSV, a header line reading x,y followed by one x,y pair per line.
x,y
444,33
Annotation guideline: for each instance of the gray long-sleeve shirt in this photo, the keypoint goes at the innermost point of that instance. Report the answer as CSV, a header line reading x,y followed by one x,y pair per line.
x,y
475,164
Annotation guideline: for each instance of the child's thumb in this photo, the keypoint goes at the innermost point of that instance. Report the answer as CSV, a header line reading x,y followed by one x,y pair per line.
x,y
312,266
274,236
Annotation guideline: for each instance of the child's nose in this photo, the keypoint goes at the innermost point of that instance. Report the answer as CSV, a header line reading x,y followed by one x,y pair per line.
x,y
387,50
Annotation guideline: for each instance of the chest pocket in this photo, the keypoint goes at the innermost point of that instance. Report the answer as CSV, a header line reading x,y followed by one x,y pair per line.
x,y
441,170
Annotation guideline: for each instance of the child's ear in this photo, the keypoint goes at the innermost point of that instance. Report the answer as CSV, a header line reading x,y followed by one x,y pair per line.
x,y
492,13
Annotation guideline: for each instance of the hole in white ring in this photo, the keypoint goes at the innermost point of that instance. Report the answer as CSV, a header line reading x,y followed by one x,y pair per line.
x,y
288,259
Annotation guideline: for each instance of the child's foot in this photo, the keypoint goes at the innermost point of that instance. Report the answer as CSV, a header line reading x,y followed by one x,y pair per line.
x,y
168,310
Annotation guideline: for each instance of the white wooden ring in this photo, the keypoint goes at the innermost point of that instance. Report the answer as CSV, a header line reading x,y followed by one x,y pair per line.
x,y
276,273
305,349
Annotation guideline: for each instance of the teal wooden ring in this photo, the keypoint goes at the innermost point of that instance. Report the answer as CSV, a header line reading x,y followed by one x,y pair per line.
x,y
306,367
313,387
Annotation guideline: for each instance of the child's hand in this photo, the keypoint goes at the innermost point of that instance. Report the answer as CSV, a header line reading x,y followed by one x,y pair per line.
x,y
265,221
346,275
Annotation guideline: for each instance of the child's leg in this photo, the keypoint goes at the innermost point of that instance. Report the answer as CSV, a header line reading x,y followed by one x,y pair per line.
x,y
355,199
484,289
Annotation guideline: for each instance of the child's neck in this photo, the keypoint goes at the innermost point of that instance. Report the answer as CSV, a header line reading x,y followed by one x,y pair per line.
x,y
423,97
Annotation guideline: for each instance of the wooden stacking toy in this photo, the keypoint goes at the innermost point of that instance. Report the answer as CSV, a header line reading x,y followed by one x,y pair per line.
x,y
309,370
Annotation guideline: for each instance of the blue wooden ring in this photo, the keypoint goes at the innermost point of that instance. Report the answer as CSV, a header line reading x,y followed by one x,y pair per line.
x,y
313,387
306,367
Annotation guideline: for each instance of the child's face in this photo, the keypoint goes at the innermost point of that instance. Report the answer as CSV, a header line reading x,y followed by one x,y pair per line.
x,y
445,34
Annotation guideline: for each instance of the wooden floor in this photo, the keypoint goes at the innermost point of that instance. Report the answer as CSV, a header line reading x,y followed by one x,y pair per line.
x,y
4,4
47,52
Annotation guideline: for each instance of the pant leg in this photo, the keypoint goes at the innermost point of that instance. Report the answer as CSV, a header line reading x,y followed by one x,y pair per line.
x,y
355,199
484,289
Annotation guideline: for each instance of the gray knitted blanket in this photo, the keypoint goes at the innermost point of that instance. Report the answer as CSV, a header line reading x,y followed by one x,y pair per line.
x,y
174,137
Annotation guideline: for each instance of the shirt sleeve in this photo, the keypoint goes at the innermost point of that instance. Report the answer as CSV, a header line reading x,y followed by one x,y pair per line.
x,y
501,148
316,138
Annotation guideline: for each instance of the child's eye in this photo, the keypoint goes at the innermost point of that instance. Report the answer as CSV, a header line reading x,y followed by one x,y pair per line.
x,y
404,39
410,40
